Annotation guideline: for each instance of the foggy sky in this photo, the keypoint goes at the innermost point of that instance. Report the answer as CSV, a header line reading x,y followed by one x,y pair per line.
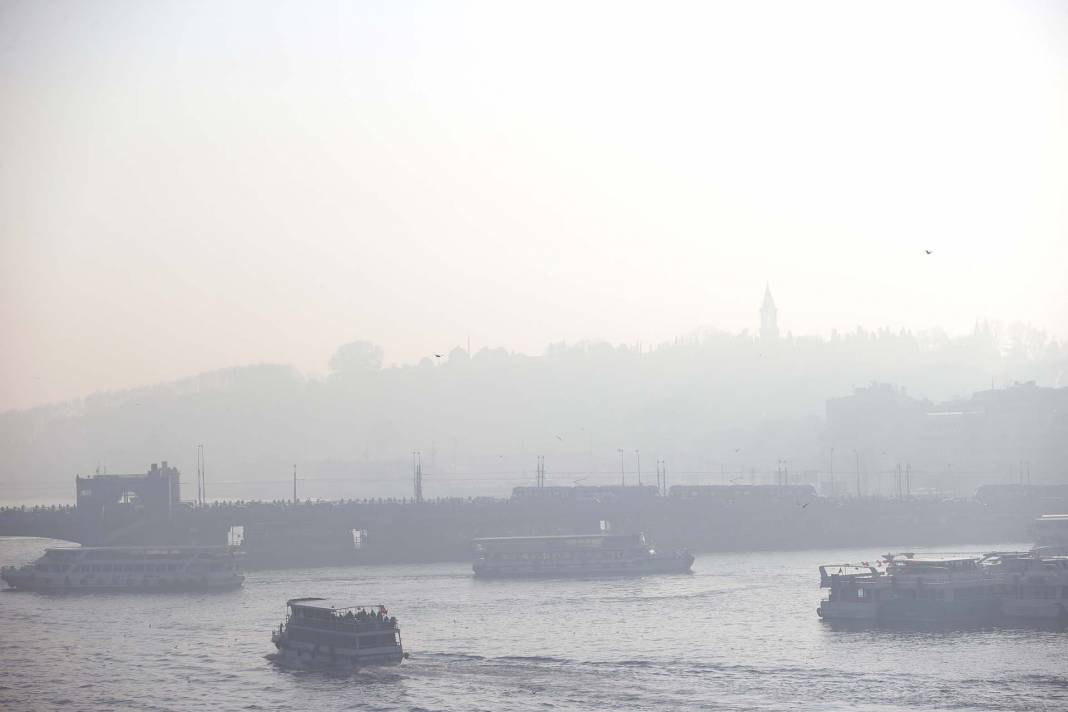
x,y
187,186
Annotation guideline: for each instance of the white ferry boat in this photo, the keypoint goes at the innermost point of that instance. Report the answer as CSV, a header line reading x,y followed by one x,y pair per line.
x,y
126,568
322,633
575,555
911,590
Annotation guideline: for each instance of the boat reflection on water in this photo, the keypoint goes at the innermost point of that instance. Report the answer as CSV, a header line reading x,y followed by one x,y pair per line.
x,y
575,555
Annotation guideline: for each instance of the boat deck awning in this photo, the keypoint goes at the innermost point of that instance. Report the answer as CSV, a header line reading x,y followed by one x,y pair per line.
x,y
330,604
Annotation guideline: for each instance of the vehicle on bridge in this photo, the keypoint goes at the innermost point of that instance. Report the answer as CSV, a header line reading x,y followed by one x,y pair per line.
x,y
129,568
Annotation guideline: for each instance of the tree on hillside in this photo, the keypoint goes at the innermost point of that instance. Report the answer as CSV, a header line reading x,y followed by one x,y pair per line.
x,y
356,358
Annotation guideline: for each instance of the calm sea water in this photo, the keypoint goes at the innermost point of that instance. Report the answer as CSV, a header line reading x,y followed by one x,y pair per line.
x,y
740,633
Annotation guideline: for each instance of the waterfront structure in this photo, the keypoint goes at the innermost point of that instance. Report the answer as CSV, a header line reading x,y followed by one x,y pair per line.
x,y
575,555
321,632
129,568
157,492
1014,436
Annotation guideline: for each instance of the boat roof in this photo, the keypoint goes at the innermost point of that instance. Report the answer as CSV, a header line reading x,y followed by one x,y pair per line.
x,y
928,562
329,604
147,547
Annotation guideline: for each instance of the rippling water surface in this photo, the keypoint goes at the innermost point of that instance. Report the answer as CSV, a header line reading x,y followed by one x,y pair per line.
x,y
739,633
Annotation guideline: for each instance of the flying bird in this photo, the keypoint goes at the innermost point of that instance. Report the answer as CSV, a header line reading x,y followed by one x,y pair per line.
x,y
558,437
928,251
438,355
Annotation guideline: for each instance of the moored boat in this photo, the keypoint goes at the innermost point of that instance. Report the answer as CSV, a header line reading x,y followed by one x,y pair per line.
x,y
318,632
129,568
1034,586
575,555
912,591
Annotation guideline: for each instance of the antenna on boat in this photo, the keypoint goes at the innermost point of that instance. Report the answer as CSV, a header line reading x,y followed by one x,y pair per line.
x,y
196,468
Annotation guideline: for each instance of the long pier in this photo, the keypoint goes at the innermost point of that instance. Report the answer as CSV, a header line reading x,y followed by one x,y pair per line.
x,y
284,534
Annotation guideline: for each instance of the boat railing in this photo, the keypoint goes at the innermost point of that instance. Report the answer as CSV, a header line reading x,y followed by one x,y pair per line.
x,y
847,572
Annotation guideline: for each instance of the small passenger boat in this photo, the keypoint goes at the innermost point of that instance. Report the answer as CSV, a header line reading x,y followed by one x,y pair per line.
x,y
575,555
128,568
319,632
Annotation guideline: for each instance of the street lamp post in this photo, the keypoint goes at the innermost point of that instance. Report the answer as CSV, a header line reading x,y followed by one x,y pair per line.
x,y
622,472
638,457
832,471
858,470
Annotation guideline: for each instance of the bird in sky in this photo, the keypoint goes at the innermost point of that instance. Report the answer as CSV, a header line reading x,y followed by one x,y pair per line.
x,y
438,355
928,251
559,437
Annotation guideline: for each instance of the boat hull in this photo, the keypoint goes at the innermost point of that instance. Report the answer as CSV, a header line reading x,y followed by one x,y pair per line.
x,y
307,655
1031,609
847,611
24,582
905,610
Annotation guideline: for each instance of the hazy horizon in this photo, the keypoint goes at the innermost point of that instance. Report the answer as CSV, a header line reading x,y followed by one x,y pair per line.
x,y
194,187
1005,333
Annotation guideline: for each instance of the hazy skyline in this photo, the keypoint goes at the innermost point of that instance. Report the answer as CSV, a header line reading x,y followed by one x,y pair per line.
x,y
190,187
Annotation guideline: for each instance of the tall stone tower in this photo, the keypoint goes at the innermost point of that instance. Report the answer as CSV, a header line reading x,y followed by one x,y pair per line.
x,y
769,317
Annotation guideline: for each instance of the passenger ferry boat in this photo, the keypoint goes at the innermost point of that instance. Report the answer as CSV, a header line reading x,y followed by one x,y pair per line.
x,y
911,590
1034,586
128,568
320,632
1051,532
575,555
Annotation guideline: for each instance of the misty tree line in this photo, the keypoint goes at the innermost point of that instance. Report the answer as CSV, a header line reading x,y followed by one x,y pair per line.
x,y
711,402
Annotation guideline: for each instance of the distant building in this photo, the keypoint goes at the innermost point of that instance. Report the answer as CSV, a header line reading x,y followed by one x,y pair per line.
x,y
156,492
1016,435
769,317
